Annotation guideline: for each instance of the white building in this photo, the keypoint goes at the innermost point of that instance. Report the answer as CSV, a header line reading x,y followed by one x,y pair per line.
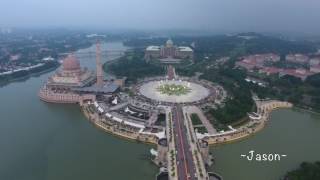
x,y
297,58
314,61
315,69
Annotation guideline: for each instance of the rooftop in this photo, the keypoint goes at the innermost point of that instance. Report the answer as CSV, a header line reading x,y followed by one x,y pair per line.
x,y
153,48
185,48
107,88
71,63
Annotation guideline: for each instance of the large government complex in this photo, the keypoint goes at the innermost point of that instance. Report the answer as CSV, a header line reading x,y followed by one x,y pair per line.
x,y
169,53
157,110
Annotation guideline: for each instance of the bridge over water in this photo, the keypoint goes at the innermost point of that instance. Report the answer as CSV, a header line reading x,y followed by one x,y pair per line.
x,y
185,157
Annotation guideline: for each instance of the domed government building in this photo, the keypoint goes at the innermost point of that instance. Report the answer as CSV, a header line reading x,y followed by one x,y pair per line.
x,y
168,53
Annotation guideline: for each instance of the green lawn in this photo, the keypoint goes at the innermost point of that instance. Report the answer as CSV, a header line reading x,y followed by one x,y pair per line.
x,y
195,119
201,130
161,120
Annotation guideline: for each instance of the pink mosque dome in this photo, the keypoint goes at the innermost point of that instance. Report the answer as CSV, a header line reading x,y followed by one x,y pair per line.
x,y
71,63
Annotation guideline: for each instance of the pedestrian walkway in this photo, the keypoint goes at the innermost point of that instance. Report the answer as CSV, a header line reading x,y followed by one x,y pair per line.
x,y
195,110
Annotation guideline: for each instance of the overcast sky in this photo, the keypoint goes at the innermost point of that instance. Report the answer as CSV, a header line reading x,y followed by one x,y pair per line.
x,y
232,15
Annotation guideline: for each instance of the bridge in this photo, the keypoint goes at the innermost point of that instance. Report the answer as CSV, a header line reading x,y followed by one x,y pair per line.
x,y
186,166
104,53
185,153
181,152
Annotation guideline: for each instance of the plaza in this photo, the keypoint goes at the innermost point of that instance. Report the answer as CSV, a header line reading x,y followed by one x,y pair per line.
x,y
186,92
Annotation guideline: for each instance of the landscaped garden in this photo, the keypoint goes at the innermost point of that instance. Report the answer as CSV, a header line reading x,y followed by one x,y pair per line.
x,y
173,89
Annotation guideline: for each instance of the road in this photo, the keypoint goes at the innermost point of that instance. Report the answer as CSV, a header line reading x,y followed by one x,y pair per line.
x,y
171,72
186,166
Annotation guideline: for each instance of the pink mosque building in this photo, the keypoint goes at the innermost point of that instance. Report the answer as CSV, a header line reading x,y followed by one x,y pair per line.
x,y
73,84
60,87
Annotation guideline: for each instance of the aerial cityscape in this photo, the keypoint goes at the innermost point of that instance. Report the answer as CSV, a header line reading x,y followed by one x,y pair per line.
x,y
159,90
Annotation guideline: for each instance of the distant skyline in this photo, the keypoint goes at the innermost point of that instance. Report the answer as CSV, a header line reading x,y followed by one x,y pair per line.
x,y
207,15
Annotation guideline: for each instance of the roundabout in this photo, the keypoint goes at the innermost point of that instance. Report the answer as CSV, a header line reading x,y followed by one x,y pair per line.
x,y
173,91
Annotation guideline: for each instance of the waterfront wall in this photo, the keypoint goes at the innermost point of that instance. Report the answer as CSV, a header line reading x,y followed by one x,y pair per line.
x,y
68,98
97,119
59,98
116,129
264,108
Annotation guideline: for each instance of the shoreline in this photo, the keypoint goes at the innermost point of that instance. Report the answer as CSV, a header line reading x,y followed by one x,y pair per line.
x,y
248,129
306,110
241,133
26,77
29,75
96,121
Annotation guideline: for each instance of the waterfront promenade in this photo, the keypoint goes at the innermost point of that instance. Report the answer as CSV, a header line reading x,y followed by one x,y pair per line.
x,y
117,129
195,110
184,155
264,108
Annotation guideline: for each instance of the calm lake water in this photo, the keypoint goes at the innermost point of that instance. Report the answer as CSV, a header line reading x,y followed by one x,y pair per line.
x,y
293,133
41,141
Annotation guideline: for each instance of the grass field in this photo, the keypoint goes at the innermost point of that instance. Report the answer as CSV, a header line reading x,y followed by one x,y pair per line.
x,y
201,130
195,119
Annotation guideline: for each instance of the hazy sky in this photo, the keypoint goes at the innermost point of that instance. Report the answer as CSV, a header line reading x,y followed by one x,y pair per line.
x,y
237,15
